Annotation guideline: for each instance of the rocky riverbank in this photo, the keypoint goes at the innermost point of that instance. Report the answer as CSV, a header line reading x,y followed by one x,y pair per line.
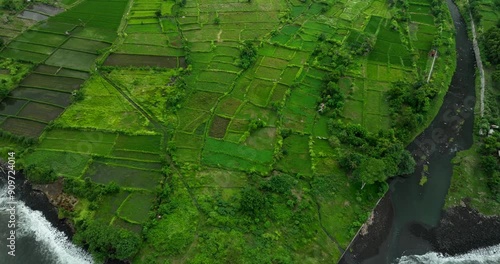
x,y
460,230
374,233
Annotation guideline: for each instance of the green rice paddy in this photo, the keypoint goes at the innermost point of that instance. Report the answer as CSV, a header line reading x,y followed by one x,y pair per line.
x,y
150,96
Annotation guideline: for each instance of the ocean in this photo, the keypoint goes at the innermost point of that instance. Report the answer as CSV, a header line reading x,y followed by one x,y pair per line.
x,y
37,241
489,255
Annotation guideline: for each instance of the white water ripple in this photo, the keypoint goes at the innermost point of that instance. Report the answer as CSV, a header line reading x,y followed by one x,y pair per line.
x,y
52,241
488,255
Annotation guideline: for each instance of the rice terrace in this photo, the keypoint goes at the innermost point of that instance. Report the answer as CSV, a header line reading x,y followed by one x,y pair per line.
x,y
219,131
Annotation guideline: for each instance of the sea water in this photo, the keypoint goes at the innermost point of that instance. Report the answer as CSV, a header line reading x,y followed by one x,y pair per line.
x,y
37,240
489,255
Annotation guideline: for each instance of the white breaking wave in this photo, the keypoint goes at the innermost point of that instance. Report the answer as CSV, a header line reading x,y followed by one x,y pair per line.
x,y
488,255
54,242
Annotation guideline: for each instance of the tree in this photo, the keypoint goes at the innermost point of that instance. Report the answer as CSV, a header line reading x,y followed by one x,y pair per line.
x,y
406,163
40,174
77,95
4,89
248,54
256,124
351,161
108,242
252,201
489,164
492,45
281,184
371,170
9,5
364,46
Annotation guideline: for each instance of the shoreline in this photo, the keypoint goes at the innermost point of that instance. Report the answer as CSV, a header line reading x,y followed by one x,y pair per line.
x,y
37,200
460,230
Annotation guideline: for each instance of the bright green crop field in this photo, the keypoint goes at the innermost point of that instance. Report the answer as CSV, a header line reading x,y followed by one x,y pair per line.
x,y
204,131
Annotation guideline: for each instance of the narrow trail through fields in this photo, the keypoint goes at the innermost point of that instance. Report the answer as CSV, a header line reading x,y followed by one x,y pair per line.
x,y
479,63
432,67
162,129
151,118
318,207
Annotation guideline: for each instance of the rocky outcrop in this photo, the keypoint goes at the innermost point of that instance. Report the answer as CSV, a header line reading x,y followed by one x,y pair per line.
x,y
56,196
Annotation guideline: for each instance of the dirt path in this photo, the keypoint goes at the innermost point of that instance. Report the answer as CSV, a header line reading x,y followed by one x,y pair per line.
x,y
151,118
432,67
162,129
218,36
479,63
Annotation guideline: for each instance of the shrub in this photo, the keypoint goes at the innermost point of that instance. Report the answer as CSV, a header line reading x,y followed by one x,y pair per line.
x,y
40,174
248,54
252,201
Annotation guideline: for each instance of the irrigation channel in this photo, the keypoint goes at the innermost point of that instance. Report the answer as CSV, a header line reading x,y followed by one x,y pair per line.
x,y
409,224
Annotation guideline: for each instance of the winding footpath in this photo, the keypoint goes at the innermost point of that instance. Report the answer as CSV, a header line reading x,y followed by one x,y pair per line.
x,y
478,62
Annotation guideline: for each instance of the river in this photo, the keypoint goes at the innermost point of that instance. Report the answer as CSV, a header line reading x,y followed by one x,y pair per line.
x,y
407,236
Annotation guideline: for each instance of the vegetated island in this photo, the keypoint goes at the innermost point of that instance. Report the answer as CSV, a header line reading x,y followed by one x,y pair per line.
x,y
220,131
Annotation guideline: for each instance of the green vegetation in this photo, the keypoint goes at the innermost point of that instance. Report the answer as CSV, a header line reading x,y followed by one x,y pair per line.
x,y
224,131
11,73
104,108
248,53
159,92
105,241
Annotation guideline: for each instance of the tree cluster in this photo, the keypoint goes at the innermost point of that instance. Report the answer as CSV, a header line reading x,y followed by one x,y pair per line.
x,y
89,190
176,95
181,3
490,163
16,73
409,103
491,43
400,8
13,5
40,174
248,54
331,95
438,9
332,55
336,58
364,45
488,150
374,157
22,140
475,10
107,242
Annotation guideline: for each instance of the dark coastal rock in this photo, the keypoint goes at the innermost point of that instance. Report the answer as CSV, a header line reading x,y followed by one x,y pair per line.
x,y
56,196
462,229
37,200
366,243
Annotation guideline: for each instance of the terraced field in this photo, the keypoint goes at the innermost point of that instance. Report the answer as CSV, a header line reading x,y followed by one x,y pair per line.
x,y
204,124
